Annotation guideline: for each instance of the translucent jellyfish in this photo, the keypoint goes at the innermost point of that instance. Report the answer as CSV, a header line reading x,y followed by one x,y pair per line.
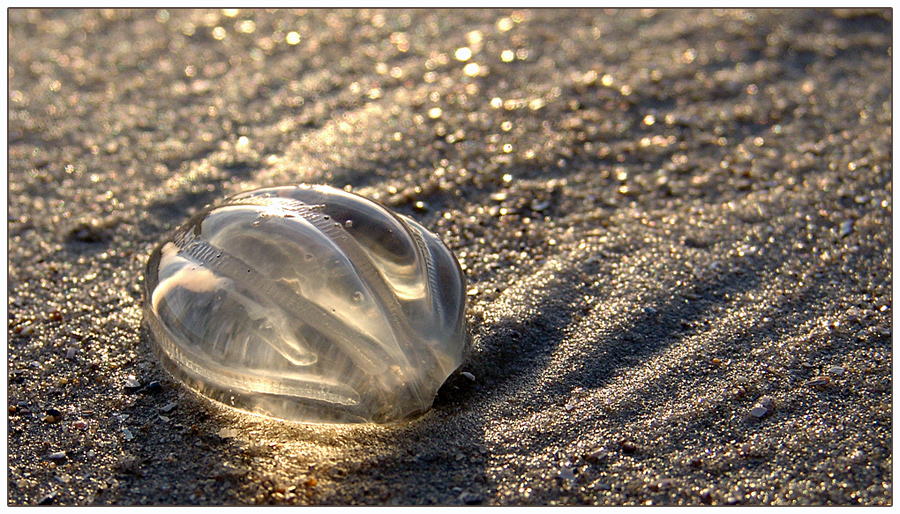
x,y
308,303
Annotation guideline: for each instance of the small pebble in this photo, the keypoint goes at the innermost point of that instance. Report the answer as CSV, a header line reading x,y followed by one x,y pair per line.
x,y
603,486
53,416
567,473
48,499
70,353
128,435
858,457
846,228
596,456
469,498
837,370
819,381
227,433
131,383
57,456
764,406
759,412
662,484
169,407
468,375
153,387
539,206
733,499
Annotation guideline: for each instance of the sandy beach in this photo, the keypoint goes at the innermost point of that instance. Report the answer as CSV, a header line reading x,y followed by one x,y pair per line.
x,y
675,227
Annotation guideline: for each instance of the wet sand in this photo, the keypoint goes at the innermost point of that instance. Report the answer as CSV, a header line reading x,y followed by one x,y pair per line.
x,y
675,227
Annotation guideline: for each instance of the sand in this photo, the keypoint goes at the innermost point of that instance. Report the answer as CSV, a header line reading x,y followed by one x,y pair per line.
x,y
675,227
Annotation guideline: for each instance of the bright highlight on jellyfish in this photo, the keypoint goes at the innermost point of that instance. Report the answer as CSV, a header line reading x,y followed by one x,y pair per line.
x,y
308,303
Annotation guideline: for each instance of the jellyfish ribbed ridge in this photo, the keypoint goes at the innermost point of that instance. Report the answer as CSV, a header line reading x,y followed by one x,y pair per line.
x,y
307,303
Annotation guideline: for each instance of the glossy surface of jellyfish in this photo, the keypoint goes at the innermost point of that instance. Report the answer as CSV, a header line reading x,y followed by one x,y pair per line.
x,y
308,303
